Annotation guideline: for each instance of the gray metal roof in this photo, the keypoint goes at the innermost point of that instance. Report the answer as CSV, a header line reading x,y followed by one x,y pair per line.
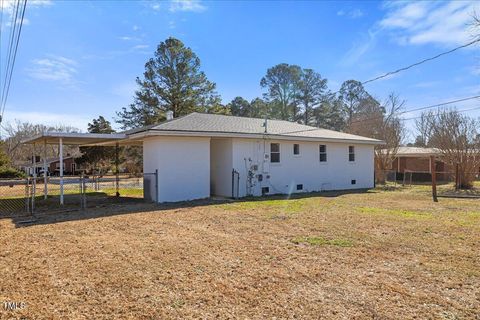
x,y
74,138
214,123
418,151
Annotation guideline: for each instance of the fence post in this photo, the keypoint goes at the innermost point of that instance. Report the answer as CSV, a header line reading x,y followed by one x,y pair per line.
x,y
34,192
233,183
45,171
238,183
27,195
80,186
156,185
117,166
434,178
83,197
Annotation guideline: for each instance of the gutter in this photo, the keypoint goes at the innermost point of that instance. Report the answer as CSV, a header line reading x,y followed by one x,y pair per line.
x,y
186,133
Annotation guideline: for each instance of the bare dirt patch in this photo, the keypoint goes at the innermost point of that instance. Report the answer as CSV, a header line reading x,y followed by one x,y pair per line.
x,y
381,254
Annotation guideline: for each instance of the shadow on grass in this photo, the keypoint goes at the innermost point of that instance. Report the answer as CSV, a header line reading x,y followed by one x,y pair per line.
x,y
102,205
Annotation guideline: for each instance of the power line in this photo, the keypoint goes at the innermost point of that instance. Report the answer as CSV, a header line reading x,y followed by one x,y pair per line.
x,y
1,28
12,54
13,26
464,110
408,111
421,108
421,62
417,63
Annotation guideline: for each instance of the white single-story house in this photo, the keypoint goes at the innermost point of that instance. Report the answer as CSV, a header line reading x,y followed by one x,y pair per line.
x,y
202,155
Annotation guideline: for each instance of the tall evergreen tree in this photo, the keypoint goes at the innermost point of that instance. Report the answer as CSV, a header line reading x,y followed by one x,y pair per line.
x,y
97,158
260,108
172,81
312,89
351,94
240,107
368,118
329,114
282,83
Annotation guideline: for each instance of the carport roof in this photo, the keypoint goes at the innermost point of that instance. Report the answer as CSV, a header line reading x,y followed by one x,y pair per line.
x,y
418,152
77,138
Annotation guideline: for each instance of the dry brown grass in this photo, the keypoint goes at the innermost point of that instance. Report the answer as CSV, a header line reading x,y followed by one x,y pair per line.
x,y
382,255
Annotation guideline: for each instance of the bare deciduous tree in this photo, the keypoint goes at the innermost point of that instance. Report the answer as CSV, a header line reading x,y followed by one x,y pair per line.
x,y
456,136
18,131
392,131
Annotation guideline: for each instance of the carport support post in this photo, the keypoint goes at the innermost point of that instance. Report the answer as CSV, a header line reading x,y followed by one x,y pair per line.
x,y
45,182
34,179
61,169
434,178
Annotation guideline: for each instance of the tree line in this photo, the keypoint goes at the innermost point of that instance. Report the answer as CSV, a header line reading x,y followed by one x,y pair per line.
x,y
173,81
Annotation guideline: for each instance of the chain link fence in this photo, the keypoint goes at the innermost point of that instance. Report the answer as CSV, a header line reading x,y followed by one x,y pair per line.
x,y
38,194
15,195
449,183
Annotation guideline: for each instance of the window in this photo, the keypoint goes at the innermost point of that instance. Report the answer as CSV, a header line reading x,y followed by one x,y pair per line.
x,y
274,152
323,153
351,153
296,149
265,190
299,186
354,181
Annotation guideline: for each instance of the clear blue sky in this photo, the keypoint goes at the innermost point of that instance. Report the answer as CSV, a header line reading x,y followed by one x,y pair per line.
x,y
79,59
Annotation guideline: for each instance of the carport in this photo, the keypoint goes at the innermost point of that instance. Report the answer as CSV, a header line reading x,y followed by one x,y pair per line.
x,y
77,139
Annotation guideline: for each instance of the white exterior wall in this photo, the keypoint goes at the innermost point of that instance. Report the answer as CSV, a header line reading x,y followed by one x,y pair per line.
x,y
196,167
183,165
306,168
221,167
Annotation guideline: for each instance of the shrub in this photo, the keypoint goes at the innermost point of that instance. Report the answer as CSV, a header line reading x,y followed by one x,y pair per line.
x,y
9,172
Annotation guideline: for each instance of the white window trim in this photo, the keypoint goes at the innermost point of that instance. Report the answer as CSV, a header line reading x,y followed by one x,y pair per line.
x,y
279,154
354,155
323,163
299,151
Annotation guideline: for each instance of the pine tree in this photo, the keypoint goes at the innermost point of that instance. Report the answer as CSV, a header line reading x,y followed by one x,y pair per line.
x,y
172,81
282,83
312,89
97,158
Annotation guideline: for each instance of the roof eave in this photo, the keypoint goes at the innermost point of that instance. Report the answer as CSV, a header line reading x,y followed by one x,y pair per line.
x,y
99,137
153,133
